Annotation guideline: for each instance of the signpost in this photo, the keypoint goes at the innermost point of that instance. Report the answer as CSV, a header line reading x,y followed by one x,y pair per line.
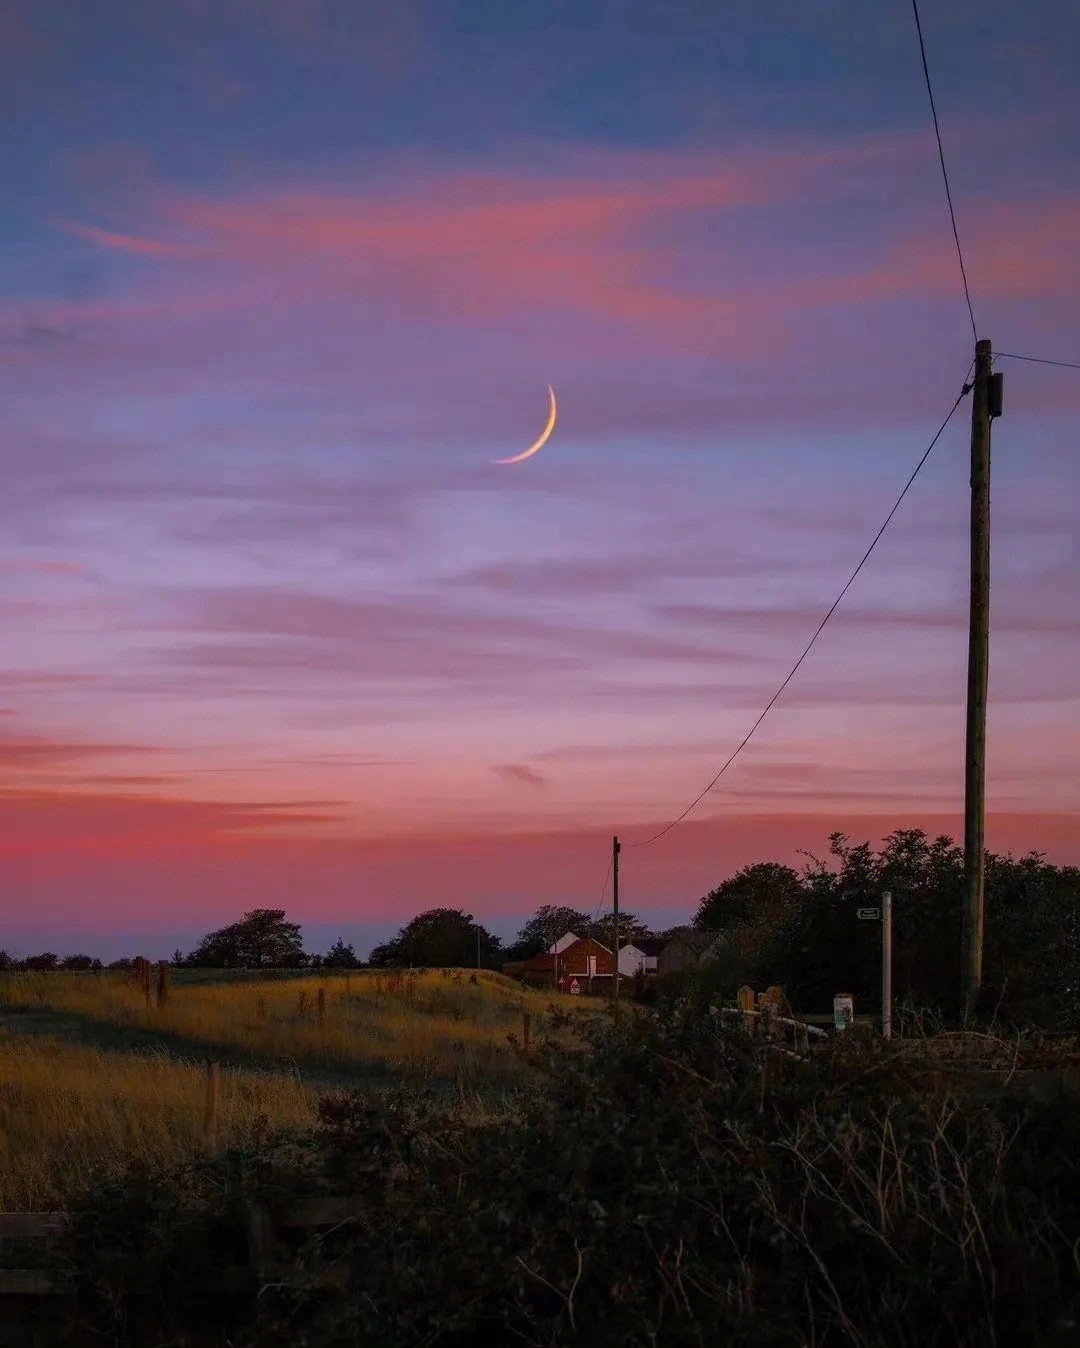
x,y
886,965
884,914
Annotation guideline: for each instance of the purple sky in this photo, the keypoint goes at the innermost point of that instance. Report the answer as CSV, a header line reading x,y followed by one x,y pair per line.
x,y
279,280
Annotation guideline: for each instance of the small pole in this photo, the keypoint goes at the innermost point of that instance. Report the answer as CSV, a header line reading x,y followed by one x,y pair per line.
x,y
322,1006
886,964
213,1102
164,971
615,921
478,947
978,662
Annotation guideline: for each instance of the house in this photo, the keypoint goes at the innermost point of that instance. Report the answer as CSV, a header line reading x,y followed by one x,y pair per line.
x,y
631,959
570,957
589,961
686,946
641,956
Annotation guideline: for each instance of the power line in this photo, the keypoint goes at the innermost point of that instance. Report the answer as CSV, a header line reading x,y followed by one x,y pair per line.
x,y
806,651
1038,360
944,173
603,892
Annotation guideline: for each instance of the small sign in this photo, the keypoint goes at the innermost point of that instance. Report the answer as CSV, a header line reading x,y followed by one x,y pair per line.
x,y
868,914
575,988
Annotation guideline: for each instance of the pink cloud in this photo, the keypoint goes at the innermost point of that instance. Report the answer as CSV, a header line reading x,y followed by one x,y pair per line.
x,y
484,245
127,243
31,752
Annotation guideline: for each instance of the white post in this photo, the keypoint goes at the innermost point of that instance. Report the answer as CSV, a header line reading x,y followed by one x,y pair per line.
x,y
886,964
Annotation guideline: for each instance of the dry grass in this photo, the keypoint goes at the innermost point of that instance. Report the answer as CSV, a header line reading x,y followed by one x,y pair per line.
x,y
430,1023
70,1113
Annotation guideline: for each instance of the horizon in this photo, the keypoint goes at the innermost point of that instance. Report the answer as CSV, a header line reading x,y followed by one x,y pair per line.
x,y
281,286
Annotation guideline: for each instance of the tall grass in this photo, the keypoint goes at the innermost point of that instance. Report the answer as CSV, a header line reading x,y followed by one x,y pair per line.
x,y
445,1023
71,1113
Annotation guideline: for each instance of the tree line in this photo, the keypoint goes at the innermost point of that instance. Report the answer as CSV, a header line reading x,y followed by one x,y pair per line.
x,y
803,930
264,938
800,930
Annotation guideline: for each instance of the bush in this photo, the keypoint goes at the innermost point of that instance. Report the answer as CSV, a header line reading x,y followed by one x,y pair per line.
x,y
681,1184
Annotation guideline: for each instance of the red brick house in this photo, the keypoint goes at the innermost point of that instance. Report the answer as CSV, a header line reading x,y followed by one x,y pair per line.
x,y
580,958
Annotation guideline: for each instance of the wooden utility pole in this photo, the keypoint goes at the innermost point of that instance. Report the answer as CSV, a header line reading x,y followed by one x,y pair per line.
x,y
986,403
615,921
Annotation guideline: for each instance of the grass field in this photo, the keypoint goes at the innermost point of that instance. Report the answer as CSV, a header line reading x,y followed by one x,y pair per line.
x,y
92,1079
70,1113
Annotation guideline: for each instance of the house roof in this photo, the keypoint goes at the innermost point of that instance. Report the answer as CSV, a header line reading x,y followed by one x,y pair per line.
x,y
563,943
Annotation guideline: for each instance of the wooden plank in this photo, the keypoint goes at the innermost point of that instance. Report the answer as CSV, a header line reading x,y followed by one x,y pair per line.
x,y
33,1225
327,1211
34,1282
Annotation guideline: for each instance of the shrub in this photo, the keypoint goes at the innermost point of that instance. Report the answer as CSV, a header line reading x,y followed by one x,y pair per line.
x,y
683,1184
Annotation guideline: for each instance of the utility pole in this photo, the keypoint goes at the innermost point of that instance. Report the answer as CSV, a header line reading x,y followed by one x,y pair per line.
x,y
478,946
985,404
615,922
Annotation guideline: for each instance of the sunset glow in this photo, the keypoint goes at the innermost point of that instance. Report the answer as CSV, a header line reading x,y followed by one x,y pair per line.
x,y
282,280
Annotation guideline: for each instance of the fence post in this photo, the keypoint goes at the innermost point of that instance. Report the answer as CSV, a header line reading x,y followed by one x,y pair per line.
x,y
746,1004
213,1102
322,1006
164,973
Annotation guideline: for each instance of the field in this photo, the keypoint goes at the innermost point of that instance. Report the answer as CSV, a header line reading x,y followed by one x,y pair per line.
x,y
93,1079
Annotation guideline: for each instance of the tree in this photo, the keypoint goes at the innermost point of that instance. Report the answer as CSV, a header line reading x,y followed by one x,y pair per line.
x,y
45,963
340,956
764,888
630,925
1031,972
750,905
441,938
543,929
79,963
822,947
262,939
550,922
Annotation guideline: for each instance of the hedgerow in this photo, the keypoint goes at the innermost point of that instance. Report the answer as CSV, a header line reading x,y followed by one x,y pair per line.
x,y
678,1183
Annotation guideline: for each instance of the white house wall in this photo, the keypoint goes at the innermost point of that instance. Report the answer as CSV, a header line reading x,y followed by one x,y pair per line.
x,y
631,961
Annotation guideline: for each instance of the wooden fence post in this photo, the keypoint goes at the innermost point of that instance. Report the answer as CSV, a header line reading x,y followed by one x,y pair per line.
x,y
142,976
746,1004
164,973
322,1006
213,1102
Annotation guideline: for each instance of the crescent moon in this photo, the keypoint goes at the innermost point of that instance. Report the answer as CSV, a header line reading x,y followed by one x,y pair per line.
x,y
545,435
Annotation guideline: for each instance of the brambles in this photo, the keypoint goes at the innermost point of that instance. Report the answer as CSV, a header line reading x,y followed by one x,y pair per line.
x,y
684,1184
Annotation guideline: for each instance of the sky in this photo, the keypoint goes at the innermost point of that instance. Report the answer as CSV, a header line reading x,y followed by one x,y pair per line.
x,y
280,279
